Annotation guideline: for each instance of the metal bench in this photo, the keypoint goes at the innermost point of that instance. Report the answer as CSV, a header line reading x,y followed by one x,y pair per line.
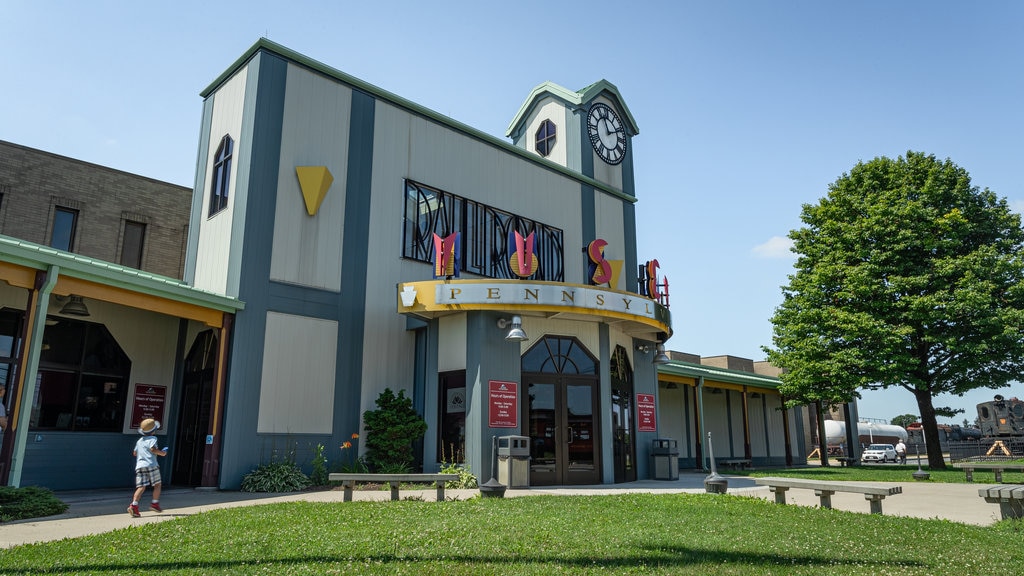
x,y
348,481
737,463
845,461
1010,498
997,467
824,490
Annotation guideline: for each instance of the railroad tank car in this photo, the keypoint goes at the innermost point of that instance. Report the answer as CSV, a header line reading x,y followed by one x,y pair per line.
x,y
867,433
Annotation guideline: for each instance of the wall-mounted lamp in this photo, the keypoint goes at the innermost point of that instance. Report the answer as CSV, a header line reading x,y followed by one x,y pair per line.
x,y
661,357
515,329
671,386
75,307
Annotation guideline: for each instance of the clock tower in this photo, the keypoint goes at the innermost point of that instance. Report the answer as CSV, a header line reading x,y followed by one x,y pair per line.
x,y
589,131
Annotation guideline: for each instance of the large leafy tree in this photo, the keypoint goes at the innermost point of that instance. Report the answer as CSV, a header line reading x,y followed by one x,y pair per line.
x,y
907,276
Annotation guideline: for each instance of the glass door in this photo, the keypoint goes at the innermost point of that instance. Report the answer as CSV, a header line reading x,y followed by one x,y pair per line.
x,y
560,411
581,434
563,431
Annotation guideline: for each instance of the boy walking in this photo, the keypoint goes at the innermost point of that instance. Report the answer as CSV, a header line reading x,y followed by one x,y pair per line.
x,y
147,471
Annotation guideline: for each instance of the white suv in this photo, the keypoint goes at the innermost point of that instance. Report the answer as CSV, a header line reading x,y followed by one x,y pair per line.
x,y
879,453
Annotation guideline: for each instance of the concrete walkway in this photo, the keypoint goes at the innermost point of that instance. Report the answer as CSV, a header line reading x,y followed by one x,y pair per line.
x,y
103,511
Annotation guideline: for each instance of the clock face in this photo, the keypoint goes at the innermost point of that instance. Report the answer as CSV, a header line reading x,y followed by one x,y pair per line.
x,y
607,134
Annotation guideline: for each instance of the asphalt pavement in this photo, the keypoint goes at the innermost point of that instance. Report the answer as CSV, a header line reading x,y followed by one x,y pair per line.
x,y
95,512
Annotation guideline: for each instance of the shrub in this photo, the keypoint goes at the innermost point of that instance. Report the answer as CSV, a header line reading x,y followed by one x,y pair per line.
x,y
391,429
318,476
466,478
275,477
28,502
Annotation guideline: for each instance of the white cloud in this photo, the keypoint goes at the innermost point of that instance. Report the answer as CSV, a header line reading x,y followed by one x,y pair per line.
x,y
775,247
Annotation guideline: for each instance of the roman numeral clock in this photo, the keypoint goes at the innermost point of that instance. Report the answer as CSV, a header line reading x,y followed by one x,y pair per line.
x,y
607,133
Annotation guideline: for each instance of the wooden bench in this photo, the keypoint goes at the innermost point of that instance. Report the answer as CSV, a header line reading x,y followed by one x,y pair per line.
x,y
997,467
1010,498
825,490
349,481
737,463
845,461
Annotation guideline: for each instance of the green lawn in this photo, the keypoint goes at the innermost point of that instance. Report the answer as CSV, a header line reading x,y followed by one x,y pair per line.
x,y
620,534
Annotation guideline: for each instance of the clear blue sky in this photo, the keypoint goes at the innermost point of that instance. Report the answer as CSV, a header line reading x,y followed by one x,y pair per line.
x,y
747,110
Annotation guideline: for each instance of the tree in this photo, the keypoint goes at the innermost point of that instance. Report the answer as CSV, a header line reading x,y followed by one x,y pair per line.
x,y
903,420
391,430
906,276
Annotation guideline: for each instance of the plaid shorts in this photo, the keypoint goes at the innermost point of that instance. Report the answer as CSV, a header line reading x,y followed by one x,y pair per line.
x,y
147,476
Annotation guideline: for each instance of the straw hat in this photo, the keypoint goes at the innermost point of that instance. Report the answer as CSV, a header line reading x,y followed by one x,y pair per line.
x,y
149,426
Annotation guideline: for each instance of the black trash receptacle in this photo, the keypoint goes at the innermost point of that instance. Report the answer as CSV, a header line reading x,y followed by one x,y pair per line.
x,y
664,459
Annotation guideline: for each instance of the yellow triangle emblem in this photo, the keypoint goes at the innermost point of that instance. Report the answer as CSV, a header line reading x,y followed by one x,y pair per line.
x,y
314,182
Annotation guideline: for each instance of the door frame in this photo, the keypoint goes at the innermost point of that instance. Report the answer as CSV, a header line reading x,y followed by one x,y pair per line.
x,y
563,472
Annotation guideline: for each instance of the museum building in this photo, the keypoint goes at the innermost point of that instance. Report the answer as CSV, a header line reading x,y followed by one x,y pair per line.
x,y
342,241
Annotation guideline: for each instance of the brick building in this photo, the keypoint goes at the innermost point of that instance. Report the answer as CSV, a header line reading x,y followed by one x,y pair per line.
x,y
93,210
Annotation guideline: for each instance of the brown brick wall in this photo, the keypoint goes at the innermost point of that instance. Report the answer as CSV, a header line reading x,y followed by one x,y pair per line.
x,y
34,182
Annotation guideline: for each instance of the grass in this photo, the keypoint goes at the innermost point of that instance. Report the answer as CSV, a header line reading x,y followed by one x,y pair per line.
x,y
620,534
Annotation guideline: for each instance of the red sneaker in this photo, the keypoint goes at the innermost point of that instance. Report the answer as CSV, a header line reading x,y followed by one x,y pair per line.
x,y
155,507
133,511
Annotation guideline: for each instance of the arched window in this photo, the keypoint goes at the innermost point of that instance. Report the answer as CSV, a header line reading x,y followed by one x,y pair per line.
x,y
559,355
221,177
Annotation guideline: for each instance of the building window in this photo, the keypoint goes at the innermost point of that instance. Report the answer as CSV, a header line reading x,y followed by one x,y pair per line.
x,y
83,378
132,243
545,138
451,440
65,221
485,231
221,180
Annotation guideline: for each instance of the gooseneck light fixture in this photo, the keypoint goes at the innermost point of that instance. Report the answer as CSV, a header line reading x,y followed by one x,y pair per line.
x,y
515,329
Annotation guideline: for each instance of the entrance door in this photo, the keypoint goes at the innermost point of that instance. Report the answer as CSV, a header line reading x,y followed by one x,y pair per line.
x,y
563,431
194,417
561,413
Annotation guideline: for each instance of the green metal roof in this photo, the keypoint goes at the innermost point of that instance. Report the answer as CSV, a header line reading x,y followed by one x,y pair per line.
x,y
739,377
266,45
38,257
574,99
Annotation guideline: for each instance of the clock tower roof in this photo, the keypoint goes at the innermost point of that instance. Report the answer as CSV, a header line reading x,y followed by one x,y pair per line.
x,y
575,100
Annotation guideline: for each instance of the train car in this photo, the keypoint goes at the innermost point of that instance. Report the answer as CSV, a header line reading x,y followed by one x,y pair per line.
x,y
1001,417
947,433
867,433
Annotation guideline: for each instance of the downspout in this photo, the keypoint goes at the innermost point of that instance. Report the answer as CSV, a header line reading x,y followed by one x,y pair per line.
x,y
27,387
700,419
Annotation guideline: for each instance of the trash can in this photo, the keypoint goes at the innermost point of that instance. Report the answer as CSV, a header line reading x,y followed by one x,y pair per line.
x,y
665,459
514,461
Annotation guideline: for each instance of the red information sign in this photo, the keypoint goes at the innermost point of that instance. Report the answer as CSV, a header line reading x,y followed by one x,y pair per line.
x,y
503,404
646,419
148,402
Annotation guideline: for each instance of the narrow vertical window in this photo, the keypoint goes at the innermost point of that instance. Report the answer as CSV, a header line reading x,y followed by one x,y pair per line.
x,y
132,244
545,138
65,221
221,179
